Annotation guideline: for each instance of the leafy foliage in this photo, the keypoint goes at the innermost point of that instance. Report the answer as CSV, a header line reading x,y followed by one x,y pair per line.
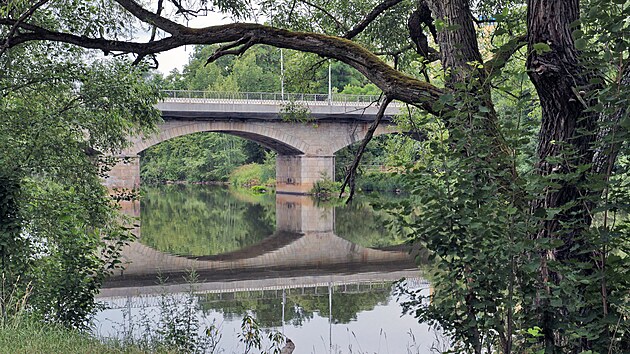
x,y
60,232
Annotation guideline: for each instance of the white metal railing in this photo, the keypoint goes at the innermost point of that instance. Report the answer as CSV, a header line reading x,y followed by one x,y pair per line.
x,y
268,97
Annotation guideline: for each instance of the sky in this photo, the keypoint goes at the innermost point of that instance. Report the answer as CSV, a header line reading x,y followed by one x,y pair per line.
x,y
178,57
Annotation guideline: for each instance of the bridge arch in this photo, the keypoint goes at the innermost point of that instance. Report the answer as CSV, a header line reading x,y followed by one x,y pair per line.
x,y
305,150
349,139
271,137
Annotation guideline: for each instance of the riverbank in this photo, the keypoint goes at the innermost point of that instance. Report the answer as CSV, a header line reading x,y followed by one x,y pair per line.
x,y
30,336
260,178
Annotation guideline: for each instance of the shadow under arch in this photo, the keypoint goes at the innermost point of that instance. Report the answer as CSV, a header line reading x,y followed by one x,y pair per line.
x,y
272,138
304,245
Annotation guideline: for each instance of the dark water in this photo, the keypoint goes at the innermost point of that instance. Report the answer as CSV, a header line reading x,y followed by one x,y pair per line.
x,y
322,275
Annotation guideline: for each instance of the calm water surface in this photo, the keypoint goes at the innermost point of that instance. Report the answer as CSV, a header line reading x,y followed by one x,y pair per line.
x,y
322,275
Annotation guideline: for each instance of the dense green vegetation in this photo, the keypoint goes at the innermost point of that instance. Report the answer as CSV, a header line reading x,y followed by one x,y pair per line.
x,y
520,186
31,336
203,220
60,232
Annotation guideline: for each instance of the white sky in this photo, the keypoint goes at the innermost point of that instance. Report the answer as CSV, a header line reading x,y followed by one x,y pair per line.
x,y
178,57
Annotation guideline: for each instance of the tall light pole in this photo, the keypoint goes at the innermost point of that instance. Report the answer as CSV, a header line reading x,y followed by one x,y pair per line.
x,y
282,74
329,82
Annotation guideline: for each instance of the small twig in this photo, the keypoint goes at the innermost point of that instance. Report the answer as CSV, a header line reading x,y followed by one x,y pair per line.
x,y
245,43
186,12
339,25
352,171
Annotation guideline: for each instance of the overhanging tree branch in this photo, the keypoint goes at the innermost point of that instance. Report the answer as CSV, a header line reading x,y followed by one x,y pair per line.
x,y
352,171
393,83
379,9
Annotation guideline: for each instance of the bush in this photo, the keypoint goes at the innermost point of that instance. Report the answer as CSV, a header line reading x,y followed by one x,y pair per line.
x,y
325,188
380,181
253,174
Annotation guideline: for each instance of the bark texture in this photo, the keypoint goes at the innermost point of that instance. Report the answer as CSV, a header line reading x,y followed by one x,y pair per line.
x,y
565,143
567,131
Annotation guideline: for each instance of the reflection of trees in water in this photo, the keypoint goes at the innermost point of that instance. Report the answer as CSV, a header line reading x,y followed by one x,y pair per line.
x,y
359,223
202,220
300,308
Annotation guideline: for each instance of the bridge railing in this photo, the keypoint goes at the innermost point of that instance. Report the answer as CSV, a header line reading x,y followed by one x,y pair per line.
x,y
271,97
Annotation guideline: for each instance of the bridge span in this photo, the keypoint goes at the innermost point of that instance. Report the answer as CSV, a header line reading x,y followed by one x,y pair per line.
x,y
305,147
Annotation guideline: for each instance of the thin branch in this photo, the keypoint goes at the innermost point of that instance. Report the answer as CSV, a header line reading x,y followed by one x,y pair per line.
x,y
158,12
339,25
505,52
379,9
19,21
394,52
184,11
352,171
244,42
151,18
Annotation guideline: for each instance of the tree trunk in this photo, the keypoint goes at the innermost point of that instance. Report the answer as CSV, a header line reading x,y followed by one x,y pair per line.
x,y
565,139
459,52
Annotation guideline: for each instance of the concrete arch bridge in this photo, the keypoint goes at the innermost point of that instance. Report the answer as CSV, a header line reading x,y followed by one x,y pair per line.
x,y
305,149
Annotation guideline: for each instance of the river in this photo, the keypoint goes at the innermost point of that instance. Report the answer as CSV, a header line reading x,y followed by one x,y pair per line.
x,y
325,276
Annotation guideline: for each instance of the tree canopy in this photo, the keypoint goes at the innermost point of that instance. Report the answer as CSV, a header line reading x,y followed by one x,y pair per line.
x,y
536,183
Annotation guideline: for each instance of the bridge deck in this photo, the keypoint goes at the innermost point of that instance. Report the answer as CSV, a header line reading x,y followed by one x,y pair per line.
x,y
270,106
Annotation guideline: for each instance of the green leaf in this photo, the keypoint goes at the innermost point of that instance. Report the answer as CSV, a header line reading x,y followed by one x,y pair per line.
x,y
541,48
580,44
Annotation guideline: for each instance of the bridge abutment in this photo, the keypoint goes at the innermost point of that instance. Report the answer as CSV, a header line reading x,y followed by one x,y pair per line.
x,y
125,174
297,174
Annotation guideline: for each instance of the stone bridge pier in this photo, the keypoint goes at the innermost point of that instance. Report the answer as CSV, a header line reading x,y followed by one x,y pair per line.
x,y
297,174
306,151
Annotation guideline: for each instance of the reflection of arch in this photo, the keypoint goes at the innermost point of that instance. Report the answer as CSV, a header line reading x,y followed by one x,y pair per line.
x,y
276,241
285,251
275,139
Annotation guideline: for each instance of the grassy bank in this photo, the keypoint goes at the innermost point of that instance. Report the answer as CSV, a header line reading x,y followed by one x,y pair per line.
x,y
27,336
253,175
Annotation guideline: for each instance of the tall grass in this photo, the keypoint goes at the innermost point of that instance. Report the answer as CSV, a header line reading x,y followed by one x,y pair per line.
x,y
28,335
253,174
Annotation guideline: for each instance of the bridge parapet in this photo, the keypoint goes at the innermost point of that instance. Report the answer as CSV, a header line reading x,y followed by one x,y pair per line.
x,y
272,97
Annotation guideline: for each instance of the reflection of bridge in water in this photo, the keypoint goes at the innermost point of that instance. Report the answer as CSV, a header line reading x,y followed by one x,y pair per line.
x,y
304,252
